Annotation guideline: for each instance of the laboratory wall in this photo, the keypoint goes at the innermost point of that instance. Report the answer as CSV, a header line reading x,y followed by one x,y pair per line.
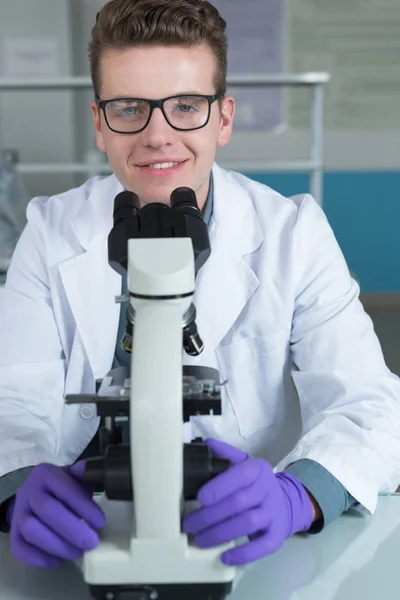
x,y
363,208
35,41
357,42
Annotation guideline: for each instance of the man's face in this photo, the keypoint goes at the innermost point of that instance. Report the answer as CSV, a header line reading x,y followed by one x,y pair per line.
x,y
154,73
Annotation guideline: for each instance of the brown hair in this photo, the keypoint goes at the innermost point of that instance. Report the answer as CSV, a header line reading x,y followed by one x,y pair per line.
x,y
130,23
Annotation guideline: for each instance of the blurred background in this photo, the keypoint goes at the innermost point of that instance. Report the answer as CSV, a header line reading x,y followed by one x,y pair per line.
x,y
324,117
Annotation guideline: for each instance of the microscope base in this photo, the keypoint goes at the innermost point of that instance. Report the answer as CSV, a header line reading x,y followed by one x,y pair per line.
x,y
123,567
205,591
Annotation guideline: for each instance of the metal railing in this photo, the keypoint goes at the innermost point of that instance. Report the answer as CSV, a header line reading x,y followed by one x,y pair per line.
x,y
314,165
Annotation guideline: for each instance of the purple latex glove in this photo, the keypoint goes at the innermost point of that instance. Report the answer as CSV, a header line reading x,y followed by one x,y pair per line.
x,y
53,516
249,499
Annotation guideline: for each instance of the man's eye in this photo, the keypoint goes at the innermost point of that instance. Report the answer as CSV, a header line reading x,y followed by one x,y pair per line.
x,y
185,107
128,112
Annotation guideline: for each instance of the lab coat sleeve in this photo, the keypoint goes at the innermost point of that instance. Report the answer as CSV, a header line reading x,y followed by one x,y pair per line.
x,y
32,364
350,401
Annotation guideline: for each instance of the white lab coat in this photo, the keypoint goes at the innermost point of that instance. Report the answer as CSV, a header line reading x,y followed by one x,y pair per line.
x,y
277,310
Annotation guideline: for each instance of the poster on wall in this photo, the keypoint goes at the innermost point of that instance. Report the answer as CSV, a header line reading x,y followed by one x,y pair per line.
x,y
31,57
256,36
358,42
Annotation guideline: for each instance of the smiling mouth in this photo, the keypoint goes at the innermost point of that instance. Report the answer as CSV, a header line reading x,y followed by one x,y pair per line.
x,y
162,165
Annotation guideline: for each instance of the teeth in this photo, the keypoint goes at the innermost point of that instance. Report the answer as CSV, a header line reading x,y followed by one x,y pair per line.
x,y
164,165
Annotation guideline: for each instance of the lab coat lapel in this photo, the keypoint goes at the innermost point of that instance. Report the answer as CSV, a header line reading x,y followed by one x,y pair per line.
x,y
226,282
90,283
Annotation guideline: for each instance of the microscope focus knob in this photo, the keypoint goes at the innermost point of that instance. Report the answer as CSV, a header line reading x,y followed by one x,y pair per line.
x,y
200,466
192,342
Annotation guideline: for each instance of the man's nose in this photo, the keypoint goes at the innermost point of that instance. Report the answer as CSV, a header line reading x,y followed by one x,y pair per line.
x,y
158,131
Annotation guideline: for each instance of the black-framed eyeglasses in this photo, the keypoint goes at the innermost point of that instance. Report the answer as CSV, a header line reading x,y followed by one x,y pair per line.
x,y
185,112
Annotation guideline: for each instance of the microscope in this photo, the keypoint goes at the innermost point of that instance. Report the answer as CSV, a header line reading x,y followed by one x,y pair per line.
x,y
150,483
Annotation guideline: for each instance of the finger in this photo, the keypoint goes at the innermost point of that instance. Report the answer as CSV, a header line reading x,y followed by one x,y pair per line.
x,y
30,555
232,529
224,450
62,522
72,494
240,502
261,546
78,470
237,477
35,533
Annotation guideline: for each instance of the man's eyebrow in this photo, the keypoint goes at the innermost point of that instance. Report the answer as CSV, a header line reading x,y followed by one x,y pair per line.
x,y
188,93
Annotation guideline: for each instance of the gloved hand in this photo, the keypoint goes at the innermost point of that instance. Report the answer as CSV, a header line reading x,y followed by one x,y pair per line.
x,y
53,516
249,499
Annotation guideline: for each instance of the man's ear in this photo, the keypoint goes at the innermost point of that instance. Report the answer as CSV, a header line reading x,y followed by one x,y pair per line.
x,y
97,121
226,121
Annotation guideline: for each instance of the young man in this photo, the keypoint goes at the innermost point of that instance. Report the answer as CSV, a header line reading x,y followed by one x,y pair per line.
x,y
311,414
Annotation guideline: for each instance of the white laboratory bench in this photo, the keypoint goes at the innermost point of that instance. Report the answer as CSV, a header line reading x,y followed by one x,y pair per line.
x,y
356,558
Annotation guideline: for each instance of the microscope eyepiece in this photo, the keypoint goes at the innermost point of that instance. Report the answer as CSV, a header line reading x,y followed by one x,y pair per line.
x,y
184,199
126,204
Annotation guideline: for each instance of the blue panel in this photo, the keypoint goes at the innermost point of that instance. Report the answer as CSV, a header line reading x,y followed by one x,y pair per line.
x,y
364,211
